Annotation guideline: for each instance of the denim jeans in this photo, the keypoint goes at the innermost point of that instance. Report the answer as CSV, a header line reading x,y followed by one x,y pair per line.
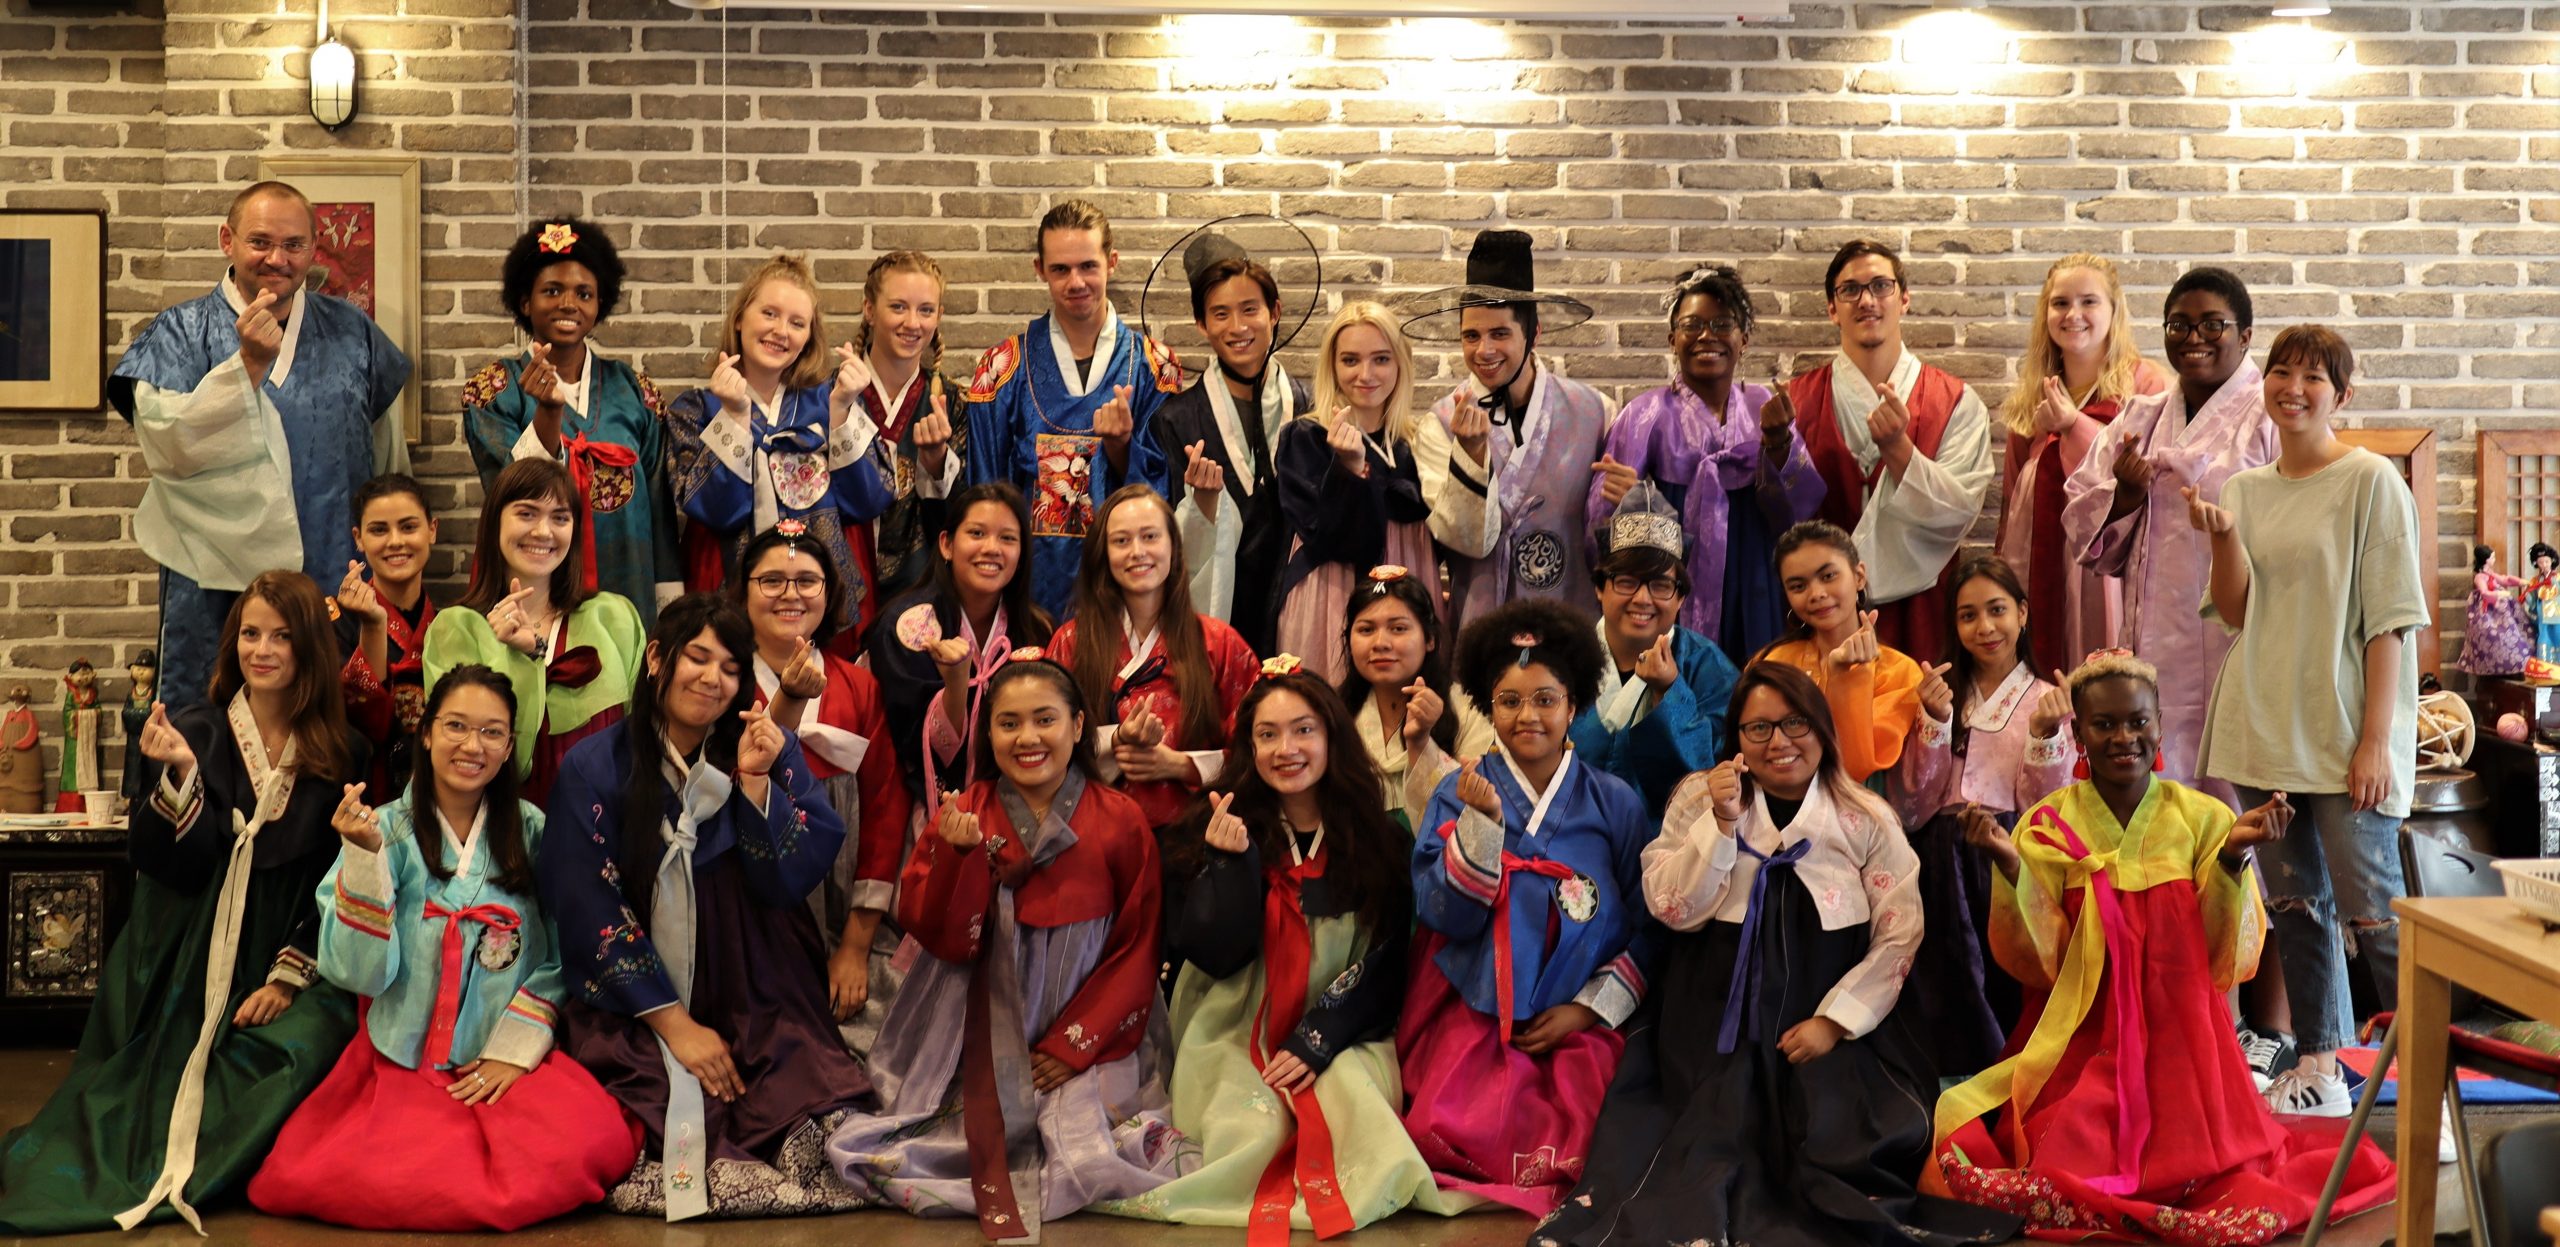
x,y
2331,879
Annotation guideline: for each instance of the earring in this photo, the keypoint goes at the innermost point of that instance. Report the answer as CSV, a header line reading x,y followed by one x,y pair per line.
x,y
2159,761
2080,767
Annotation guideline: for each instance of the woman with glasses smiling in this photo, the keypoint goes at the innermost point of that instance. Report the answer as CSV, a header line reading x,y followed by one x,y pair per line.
x,y
792,598
1527,883
2123,514
466,1115
1660,713
1726,456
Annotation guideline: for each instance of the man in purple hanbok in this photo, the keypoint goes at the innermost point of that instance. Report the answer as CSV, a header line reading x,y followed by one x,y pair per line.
x,y
2123,514
1515,431
1724,453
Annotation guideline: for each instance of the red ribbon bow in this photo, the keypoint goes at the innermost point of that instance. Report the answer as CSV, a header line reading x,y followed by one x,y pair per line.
x,y
1307,1167
575,668
439,1053
585,454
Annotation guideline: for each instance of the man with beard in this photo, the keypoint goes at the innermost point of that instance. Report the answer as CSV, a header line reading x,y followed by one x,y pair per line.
x,y
261,407
1904,448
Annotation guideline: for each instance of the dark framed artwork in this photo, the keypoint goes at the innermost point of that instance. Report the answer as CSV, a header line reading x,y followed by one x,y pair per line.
x,y
53,309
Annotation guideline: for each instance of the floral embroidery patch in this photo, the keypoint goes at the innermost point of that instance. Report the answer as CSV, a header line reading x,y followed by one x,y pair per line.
x,y
610,489
1578,897
499,949
799,478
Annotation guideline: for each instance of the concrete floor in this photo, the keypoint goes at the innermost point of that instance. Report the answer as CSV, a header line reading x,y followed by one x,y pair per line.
x,y
28,1076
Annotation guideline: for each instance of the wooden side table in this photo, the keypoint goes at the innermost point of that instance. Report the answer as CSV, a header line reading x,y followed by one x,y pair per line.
x,y
2486,944
67,890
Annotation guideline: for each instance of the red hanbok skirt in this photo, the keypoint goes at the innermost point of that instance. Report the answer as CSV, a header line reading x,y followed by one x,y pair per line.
x,y
383,1147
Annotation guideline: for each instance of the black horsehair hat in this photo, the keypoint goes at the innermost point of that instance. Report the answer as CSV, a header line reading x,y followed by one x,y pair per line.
x,y
1500,271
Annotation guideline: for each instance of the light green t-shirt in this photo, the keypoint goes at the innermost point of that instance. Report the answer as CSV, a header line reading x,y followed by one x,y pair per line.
x,y
2333,563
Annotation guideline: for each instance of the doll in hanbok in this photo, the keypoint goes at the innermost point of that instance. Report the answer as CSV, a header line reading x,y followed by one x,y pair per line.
x,y
1414,721
1161,680
211,1021
1535,946
563,399
1290,909
571,655
464,1114
2496,640
934,650
2128,905
1872,688
1021,1072
1776,1091
777,433
789,591
1989,739
681,848
2542,605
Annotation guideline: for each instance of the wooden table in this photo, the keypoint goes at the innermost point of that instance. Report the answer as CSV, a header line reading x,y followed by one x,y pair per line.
x,y
2485,944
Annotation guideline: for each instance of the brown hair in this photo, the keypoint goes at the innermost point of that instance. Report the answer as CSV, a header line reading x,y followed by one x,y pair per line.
x,y
2044,359
1070,214
810,368
2319,345
877,276
534,480
316,702
1099,632
260,190
1851,250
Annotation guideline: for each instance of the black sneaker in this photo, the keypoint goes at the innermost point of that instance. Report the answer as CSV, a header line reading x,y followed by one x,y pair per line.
x,y
2267,1053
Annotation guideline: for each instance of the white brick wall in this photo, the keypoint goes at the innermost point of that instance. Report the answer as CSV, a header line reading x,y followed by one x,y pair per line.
x,y
2391,171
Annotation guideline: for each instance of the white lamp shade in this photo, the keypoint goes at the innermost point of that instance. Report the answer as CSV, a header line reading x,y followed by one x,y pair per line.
x,y
333,84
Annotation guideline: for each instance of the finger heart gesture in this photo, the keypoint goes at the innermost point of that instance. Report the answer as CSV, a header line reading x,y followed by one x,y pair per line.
x,y
760,743
1477,791
162,743
1225,832
958,827
2052,709
1656,666
1724,791
1936,696
354,821
729,386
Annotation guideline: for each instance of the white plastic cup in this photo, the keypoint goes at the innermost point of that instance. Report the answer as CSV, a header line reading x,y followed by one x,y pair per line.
x,y
101,806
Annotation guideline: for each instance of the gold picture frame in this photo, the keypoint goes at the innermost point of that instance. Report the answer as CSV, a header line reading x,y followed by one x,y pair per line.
x,y
368,232
53,309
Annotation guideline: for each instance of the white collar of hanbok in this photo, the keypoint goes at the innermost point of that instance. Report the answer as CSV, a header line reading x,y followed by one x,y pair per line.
x,y
1852,397
278,371
1222,404
1992,714
891,403
842,749
1104,344
1538,802
1622,698
463,850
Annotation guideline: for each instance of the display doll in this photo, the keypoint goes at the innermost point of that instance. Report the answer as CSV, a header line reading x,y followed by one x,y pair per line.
x,y
21,757
2542,605
2495,638
144,672
79,735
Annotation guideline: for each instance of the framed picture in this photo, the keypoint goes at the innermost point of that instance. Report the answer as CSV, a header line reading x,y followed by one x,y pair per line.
x,y
53,309
365,245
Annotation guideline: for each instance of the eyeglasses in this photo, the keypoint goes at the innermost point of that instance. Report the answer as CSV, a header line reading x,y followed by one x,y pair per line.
x,y
1796,726
1661,587
771,584
289,246
1880,289
455,731
1691,326
2210,330
1509,703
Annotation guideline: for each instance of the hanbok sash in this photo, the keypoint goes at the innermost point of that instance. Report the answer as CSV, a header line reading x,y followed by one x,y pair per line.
x,y
1303,1164
1742,995
585,455
682,1175
2098,936
1000,1104
500,919
274,785
989,657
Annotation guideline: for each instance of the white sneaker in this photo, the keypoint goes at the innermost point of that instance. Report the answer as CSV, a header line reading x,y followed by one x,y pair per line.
x,y
2297,1092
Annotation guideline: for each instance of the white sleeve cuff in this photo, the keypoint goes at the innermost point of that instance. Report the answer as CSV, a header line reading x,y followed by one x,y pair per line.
x,y
940,486
1608,997
1935,732
732,443
1209,762
529,446
851,438
517,1042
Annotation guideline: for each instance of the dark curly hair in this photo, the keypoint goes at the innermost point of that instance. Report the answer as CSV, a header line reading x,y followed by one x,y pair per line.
x,y
1718,282
2214,281
1566,643
526,260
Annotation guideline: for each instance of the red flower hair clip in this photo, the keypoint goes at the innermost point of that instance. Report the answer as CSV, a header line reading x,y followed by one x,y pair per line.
x,y
1281,664
1526,641
557,238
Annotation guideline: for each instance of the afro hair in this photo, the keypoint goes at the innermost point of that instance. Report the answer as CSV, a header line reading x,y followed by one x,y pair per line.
x,y
526,260
1563,642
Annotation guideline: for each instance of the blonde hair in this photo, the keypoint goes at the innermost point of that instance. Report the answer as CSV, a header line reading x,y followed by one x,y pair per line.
x,y
900,262
1401,420
810,368
2123,369
2112,666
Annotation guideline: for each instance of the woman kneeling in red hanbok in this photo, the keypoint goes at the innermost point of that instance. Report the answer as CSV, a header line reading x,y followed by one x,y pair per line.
x,y
452,1101
2126,906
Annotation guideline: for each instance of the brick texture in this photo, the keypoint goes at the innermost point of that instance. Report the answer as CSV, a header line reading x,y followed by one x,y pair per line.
x,y
2389,164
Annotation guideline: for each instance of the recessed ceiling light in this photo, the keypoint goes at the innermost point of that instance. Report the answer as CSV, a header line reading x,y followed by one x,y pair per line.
x,y
2312,9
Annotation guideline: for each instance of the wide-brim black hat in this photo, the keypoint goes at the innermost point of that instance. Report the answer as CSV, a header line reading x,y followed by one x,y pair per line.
x,y
1204,247
1500,271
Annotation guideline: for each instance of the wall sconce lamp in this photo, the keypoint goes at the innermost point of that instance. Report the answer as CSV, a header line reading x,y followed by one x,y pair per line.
x,y
333,77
